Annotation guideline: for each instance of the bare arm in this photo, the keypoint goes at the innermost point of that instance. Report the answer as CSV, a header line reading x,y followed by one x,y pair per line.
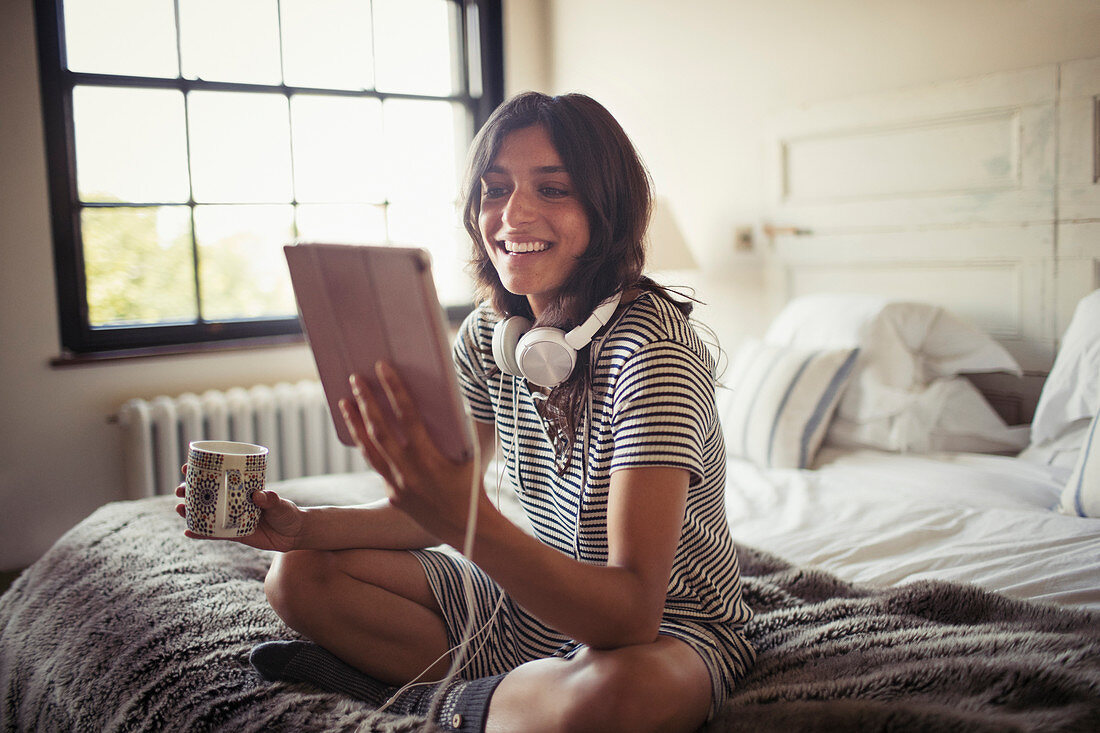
x,y
605,606
379,525
285,526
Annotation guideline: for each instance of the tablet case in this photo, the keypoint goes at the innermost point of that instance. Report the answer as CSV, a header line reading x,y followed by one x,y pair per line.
x,y
360,304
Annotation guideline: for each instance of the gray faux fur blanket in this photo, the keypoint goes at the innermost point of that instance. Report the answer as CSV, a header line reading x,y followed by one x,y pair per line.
x,y
126,625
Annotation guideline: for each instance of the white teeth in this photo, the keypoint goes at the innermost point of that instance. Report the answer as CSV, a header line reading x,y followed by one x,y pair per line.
x,y
523,247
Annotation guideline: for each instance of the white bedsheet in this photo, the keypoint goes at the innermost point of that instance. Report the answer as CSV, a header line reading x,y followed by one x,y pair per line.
x,y
887,519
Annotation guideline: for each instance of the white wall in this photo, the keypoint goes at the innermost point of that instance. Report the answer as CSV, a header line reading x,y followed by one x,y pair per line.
x,y
59,458
692,81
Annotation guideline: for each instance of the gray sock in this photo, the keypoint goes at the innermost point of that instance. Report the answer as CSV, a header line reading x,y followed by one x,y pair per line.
x,y
463,706
304,661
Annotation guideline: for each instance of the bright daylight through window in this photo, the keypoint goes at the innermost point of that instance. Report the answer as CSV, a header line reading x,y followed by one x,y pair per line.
x,y
189,140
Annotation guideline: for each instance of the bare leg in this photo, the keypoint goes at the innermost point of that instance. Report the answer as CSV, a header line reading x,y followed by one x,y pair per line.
x,y
663,686
375,610
371,608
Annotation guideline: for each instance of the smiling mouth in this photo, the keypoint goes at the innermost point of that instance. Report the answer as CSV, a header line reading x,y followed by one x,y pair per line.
x,y
519,248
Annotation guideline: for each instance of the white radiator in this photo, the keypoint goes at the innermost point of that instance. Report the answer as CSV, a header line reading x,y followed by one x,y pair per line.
x,y
292,420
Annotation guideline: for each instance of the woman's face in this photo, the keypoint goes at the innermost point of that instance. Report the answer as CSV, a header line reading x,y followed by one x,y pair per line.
x,y
532,223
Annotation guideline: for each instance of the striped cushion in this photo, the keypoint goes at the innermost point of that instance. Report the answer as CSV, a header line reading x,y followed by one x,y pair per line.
x,y
1081,496
780,401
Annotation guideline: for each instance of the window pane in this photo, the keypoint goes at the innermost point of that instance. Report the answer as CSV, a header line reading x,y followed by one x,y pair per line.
x,y
436,227
130,144
138,265
422,155
230,41
341,223
414,46
473,56
242,269
337,148
327,43
131,37
240,147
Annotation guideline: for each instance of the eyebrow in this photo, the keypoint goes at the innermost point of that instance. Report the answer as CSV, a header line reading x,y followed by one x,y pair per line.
x,y
543,169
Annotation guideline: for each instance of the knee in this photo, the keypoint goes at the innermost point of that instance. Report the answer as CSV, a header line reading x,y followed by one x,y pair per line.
x,y
601,695
294,583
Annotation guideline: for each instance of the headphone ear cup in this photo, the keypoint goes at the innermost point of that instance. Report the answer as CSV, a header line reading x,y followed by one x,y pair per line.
x,y
506,336
544,357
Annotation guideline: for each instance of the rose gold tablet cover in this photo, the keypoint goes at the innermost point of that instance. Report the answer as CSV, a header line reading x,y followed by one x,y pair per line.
x,y
361,304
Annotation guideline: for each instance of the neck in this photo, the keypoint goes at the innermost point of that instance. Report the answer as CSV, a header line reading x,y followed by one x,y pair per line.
x,y
538,305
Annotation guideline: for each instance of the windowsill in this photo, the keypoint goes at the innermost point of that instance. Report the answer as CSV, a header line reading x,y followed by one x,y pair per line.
x,y
207,347
454,316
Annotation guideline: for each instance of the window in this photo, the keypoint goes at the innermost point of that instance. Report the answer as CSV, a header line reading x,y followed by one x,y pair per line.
x,y
188,140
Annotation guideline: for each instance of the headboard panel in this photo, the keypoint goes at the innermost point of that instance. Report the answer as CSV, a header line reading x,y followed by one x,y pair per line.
x,y
1078,242
980,195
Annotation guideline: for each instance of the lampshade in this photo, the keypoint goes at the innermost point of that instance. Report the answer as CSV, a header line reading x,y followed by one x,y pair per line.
x,y
666,247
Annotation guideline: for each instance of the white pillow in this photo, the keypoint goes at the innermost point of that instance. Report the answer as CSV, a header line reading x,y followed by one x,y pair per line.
x,y
948,415
1071,395
910,357
1081,496
780,401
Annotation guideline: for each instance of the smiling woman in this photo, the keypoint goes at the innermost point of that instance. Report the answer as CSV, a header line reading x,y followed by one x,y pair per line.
x,y
535,224
188,140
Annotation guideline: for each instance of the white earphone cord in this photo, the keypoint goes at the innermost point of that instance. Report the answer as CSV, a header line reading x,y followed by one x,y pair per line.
x,y
462,660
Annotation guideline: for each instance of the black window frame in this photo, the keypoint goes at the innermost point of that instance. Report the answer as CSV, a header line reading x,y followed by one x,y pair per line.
x,y
78,339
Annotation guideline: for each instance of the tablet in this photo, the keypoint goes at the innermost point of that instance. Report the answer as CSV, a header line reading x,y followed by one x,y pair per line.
x,y
361,304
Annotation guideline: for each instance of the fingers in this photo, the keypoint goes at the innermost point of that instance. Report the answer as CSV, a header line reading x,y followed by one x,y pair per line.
x,y
374,420
400,449
375,430
394,389
411,425
267,499
402,404
181,490
353,418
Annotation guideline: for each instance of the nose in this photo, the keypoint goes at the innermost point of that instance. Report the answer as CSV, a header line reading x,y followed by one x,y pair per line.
x,y
519,209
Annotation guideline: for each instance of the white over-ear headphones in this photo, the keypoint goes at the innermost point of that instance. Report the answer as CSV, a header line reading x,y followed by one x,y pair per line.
x,y
545,356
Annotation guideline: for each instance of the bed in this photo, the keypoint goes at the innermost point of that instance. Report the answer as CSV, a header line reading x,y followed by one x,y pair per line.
x,y
893,589
916,559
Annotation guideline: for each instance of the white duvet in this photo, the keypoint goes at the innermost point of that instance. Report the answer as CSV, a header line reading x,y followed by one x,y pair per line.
x,y
887,519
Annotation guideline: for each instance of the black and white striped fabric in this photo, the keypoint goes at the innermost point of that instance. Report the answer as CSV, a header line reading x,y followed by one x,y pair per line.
x,y
652,404
781,400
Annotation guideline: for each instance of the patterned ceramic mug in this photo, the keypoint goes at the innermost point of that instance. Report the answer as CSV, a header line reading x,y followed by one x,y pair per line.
x,y
221,476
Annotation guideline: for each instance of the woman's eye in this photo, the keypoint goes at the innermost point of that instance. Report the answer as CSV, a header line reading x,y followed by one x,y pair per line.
x,y
554,192
493,192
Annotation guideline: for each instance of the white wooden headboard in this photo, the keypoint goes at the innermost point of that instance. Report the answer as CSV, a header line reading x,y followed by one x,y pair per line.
x,y
980,195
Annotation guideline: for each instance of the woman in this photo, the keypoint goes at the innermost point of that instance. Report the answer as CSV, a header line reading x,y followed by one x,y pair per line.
x,y
624,610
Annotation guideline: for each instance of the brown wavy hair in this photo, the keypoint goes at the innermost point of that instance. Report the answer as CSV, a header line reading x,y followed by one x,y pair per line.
x,y
614,187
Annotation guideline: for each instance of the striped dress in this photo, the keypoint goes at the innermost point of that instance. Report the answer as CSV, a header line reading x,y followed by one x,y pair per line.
x,y
652,404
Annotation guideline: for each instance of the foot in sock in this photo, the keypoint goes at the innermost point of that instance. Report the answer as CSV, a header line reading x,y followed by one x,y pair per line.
x,y
304,661
463,705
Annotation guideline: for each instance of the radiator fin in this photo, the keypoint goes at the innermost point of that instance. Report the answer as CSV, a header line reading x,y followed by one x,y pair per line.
x,y
290,419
